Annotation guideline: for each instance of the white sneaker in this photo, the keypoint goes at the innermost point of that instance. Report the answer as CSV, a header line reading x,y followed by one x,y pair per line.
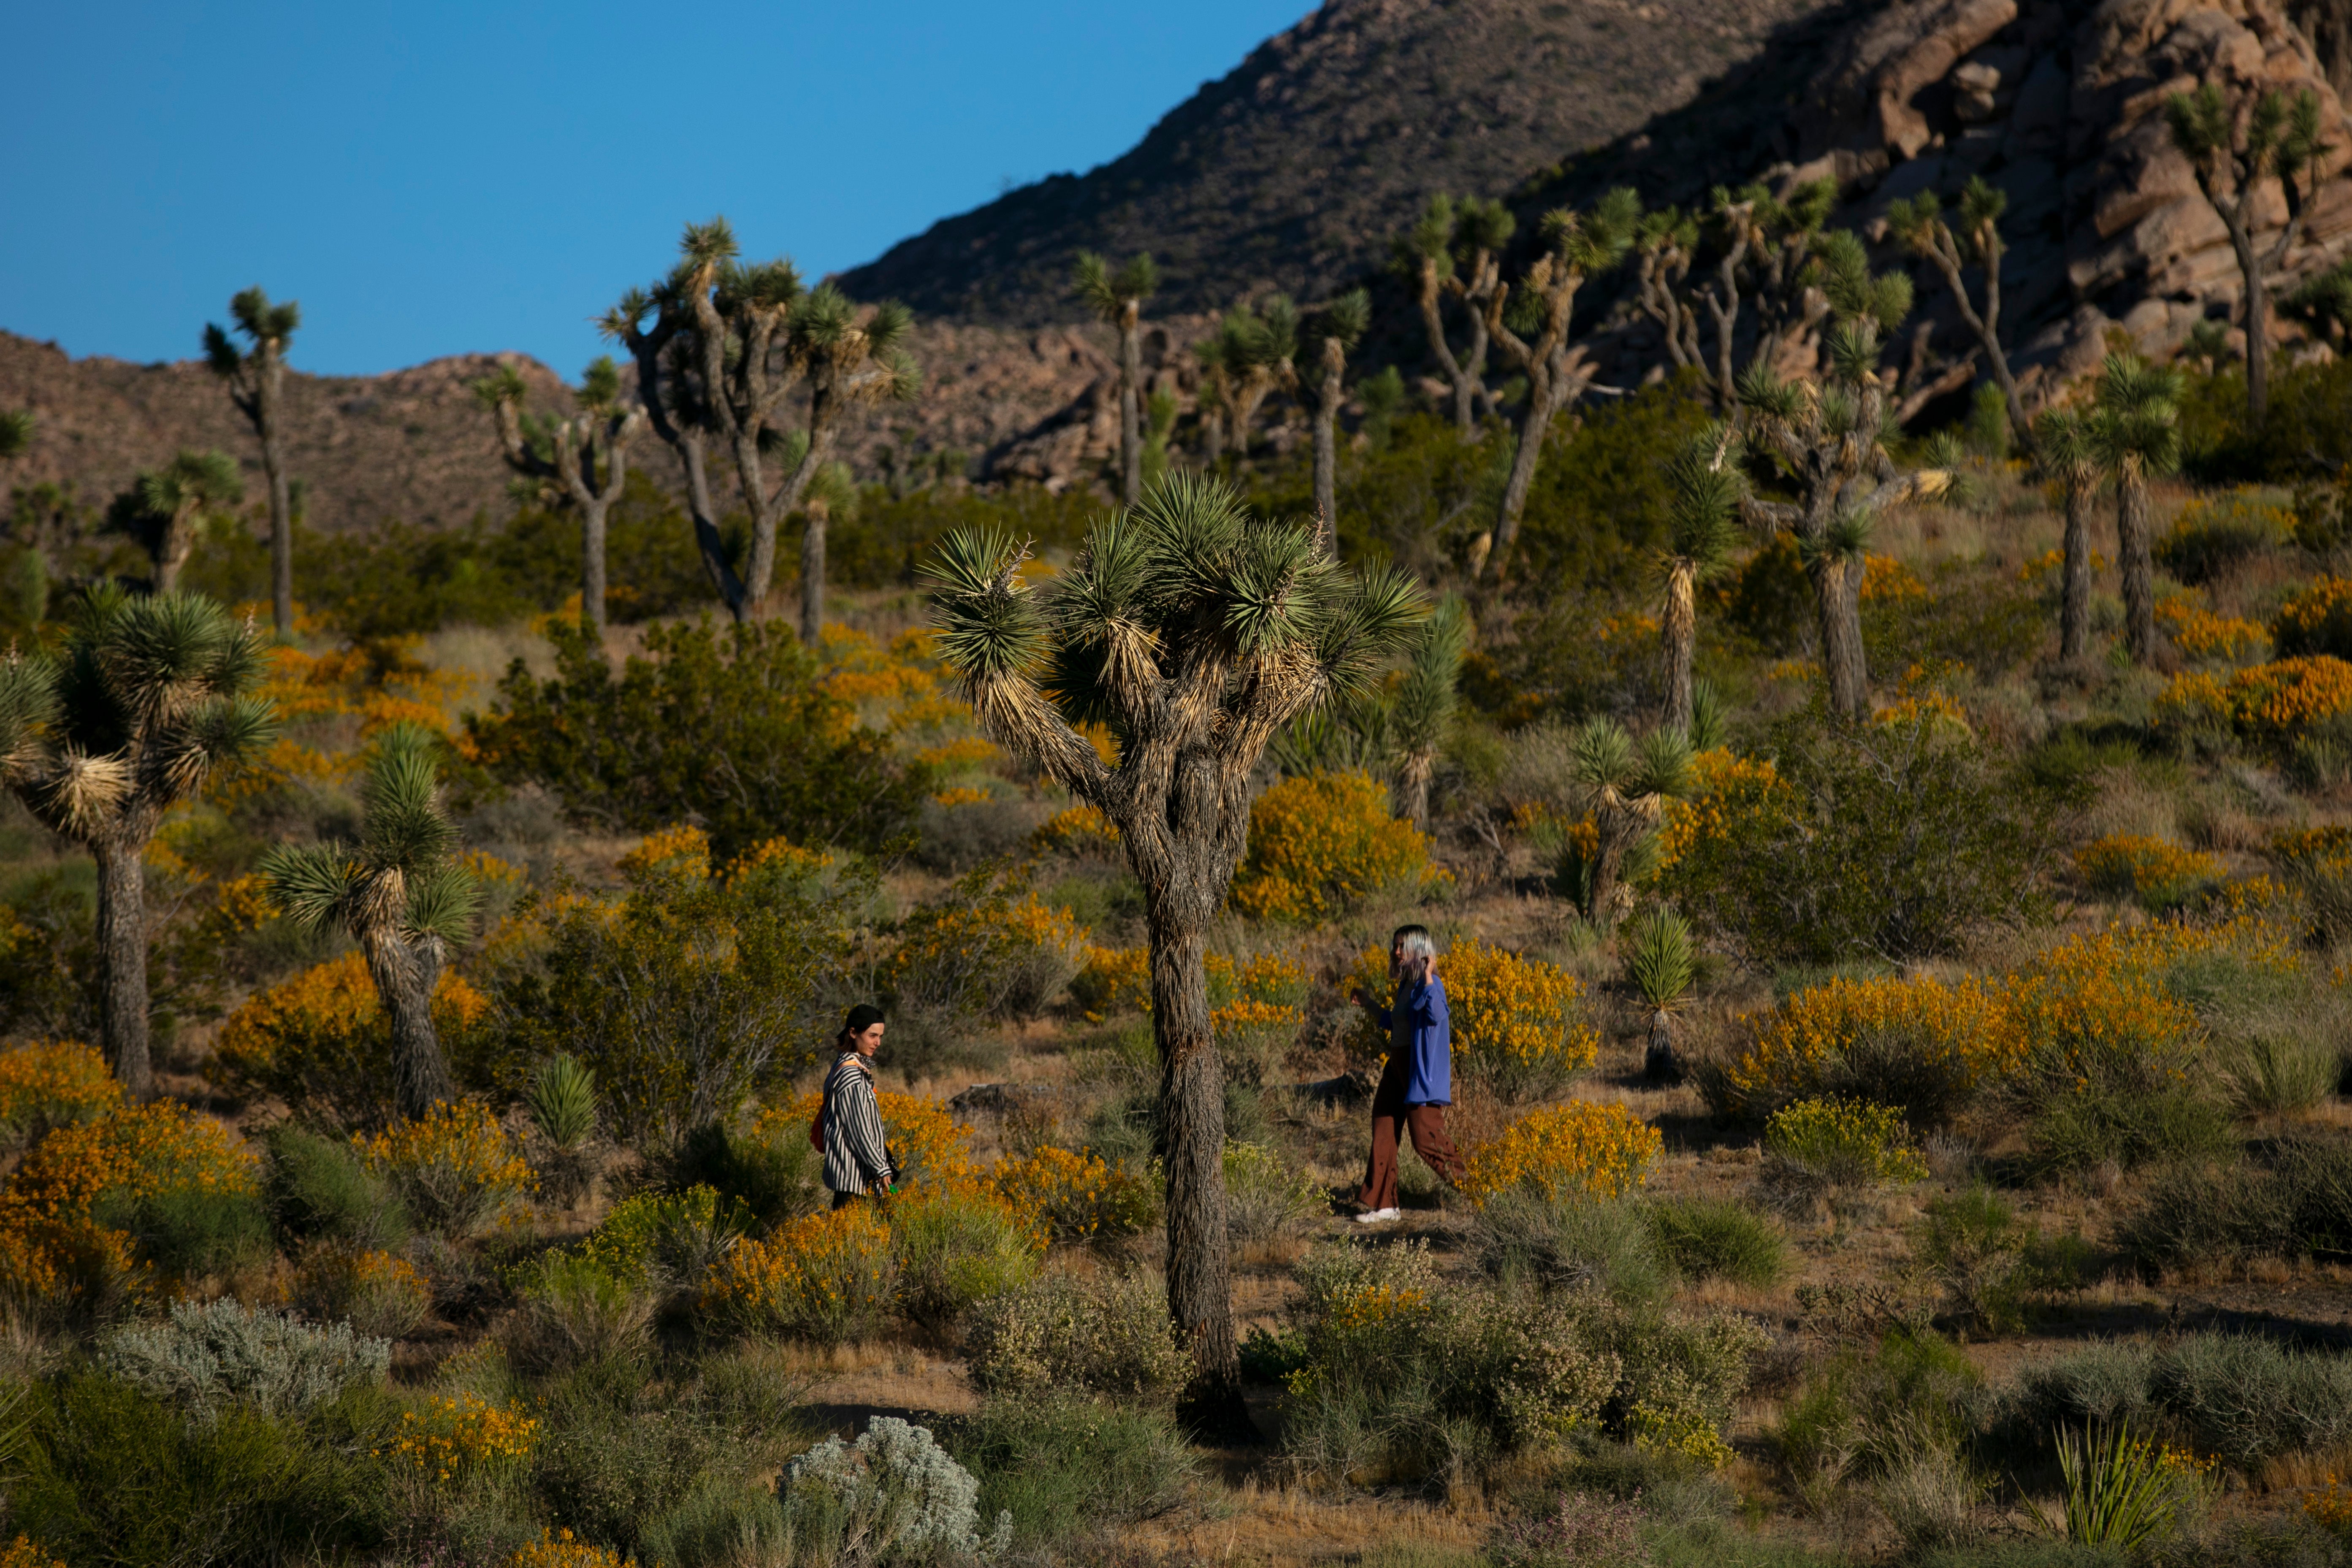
x,y
1379,1217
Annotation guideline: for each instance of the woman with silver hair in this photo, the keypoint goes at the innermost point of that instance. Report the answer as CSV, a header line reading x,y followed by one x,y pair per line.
x,y
1417,1085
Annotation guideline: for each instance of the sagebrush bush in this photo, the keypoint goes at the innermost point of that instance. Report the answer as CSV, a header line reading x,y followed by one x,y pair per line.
x,y
770,1168
1861,1414
1322,842
2213,537
1581,1147
456,1168
1104,1333
222,1352
893,1496
2244,1398
1066,1466
988,949
826,1278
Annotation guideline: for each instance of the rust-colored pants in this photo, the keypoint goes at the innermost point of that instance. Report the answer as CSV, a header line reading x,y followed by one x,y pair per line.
x,y
1392,1119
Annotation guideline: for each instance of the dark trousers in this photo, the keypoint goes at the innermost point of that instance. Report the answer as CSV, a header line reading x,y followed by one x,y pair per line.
x,y
843,1200
1393,1120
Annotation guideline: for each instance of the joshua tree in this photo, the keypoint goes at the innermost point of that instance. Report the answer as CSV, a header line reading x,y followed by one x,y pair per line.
x,y
147,696
1826,434
1455,248
586,457
1423,709
1625,784
1665,245
1659,961
725,343
1919,223
2233,148
1117,298
1195,633
400,893
172,495
1530,324
1763,246
1700,531
2135,432
2063,443
1331,332
257,385
1251,355
15,432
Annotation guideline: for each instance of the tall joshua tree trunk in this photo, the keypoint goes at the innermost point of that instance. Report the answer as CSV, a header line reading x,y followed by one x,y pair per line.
x,y
123,953
813,540
405,972
1130,401
1193,1106
1327,438
2074,589
272,422
2133,547
256,385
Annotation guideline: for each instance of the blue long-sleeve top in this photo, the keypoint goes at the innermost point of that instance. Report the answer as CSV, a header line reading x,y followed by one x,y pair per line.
x,y
1422,1034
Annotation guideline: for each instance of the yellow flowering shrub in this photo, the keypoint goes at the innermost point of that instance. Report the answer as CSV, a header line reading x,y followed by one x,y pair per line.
x,y
1726,790
1918,1043
989,948
378,1293
557,1549
2265,704
1076,830
22,1554
1320,844
1517,1023
930,1144
684,849
2316,620
961,795
459,1437
1579,1147
824,1277
1886,579
1113,980
1075,1196
51,1084
2200,634
2330,1509
54,1250
322,1041
456,1165
1119,980
2158,874
1843,1142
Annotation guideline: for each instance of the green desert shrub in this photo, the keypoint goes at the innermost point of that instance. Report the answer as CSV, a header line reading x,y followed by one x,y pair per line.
x,y
194,1232
1862,1414
956,1249
732,727
573,1310
1265,1194
1572,1242
207,1357
2214,538
317,1190
1066,1465
1718,1239
1826,1153
2242,1397
114,1475
768,1171
1102,1333
2296,1201
1929,843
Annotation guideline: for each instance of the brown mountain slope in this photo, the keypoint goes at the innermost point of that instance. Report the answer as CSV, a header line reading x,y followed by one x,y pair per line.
x,y
1296,167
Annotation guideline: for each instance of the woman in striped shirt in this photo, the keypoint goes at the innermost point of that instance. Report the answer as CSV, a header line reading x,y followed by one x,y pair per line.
x,y
856,1157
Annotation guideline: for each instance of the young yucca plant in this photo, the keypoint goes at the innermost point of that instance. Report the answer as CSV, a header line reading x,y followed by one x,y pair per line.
x,y
402,894
562,1101
1625,784
2117,1493
1660,961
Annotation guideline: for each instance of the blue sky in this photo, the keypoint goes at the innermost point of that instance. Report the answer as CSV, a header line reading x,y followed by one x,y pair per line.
x,y
430,179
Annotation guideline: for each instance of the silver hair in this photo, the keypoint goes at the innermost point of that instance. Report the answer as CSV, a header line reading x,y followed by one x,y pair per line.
x,y
1414,942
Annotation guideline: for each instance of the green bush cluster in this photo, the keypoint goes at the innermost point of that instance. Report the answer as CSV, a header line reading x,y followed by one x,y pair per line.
x,y
2294,1202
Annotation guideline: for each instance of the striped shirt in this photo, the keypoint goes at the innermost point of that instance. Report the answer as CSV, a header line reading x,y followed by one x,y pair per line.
x,y
856,1158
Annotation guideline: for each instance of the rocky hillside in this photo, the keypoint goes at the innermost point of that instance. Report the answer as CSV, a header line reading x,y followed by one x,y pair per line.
x,y
1296,167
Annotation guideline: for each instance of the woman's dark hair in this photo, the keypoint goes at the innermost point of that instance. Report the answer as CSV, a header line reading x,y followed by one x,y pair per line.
x,y
862,1017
